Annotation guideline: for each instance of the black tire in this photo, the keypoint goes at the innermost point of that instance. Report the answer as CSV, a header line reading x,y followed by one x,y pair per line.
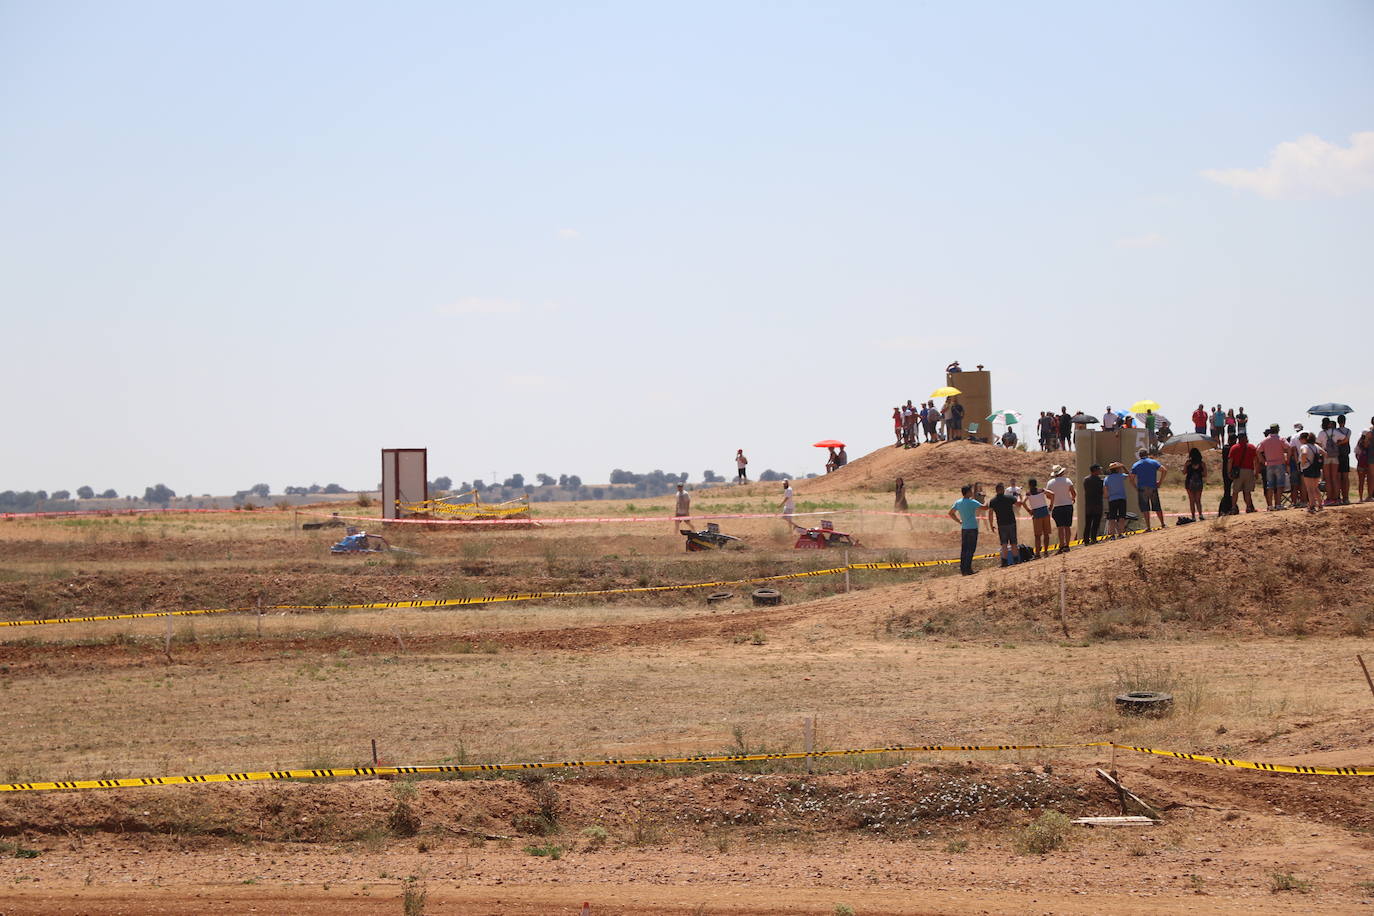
x,y
1144,703
766,597
718,597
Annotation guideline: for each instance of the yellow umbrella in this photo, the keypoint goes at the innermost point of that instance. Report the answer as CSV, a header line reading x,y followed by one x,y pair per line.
x,y
945,392
1142,406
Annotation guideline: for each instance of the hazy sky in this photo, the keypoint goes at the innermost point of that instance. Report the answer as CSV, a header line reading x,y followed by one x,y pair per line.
x,y
258,242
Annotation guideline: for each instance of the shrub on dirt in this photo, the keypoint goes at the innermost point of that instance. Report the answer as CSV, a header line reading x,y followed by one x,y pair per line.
x,y
1045,834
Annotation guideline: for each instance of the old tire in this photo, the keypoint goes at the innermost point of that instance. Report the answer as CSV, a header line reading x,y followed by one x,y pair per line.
x,y
1144,703
766,597
718,597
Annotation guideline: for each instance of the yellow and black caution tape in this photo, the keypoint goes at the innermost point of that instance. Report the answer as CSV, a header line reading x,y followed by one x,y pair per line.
x,y
434,769
497,599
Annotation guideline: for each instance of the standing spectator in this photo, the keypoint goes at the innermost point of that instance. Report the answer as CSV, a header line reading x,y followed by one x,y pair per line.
x,y
953,367
1242,422
1065,428
1093,489
1296,490
1194,477
1230,422
1037,503
1364,452
1115,485
1150,421
1013,490
682,509
1200,420
788,506
741,463
1051,427
1002,518
1330,443
1218,423
965,512
1243,457
899,426
954,422
1274,452
899,498
1343,460
1109,419
1063,495
910,421
1146,475
1311,458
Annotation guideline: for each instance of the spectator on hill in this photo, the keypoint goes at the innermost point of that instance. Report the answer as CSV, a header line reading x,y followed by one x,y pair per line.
x,y
1242,422
1243,457
1115,485
1002,518
1110,420
1230,422
1274,453
841,457
1218,423
1150,421
929,416
1009,438
910,435
953,367
832,461
1311,458
1037,503
1194,477
899,499
741,465
1013,490
1330,443
1065,428
897,426
1063,495
1364,452
1146,475
1200,420
682,509
1092,503
956,419
1343,460
965,512
788,505
1164,432
1296,491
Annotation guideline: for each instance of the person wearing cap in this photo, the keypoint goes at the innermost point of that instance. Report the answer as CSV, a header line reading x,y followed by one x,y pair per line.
x,y
1092,504
1062,497
1115,486
1275,453
1109,419
1243,458
1146,475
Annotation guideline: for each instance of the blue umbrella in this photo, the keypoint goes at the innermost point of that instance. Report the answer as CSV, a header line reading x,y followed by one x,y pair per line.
x,y
1330,410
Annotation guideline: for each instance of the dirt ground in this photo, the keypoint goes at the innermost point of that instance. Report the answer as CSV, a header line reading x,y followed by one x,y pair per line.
x,y
1252,623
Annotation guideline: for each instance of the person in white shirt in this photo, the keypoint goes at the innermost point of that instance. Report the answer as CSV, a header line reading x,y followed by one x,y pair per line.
x,y
1062,497
682,509
1109,419
741,475
788,505
1329,441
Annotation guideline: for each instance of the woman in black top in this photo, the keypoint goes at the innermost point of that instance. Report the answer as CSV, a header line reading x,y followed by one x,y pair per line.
x,y
1194,475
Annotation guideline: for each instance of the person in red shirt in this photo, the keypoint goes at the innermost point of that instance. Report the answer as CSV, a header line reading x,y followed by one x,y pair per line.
x,y
1199,420
1242,457
1275,453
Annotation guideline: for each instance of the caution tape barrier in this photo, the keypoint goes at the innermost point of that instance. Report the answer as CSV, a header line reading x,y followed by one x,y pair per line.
x,y
435,769
500,599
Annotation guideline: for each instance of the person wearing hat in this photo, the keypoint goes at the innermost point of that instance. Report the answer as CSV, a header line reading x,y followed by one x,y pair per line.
x,y
1243,457
1062,497
1274,452
1147,474
1115,486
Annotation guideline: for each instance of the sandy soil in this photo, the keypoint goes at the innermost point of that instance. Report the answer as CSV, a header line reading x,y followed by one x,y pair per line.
x,y
1252,622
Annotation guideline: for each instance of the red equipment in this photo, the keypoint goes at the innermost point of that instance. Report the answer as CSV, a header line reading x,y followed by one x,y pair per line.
x,y
823,537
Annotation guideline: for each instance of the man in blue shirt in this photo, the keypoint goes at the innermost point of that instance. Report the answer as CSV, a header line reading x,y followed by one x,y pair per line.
x,y
965,512
1147,474
1115,486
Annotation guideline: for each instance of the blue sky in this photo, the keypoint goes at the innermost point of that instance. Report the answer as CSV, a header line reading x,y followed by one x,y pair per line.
x,y
259,242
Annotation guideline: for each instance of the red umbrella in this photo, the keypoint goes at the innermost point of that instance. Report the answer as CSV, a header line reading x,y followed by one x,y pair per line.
x,y
829,443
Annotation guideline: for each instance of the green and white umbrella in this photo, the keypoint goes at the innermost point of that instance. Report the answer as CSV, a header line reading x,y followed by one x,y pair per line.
x,y
1009,417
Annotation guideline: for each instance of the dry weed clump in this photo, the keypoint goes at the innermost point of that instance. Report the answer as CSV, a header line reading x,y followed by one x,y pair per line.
x,y
1046,833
